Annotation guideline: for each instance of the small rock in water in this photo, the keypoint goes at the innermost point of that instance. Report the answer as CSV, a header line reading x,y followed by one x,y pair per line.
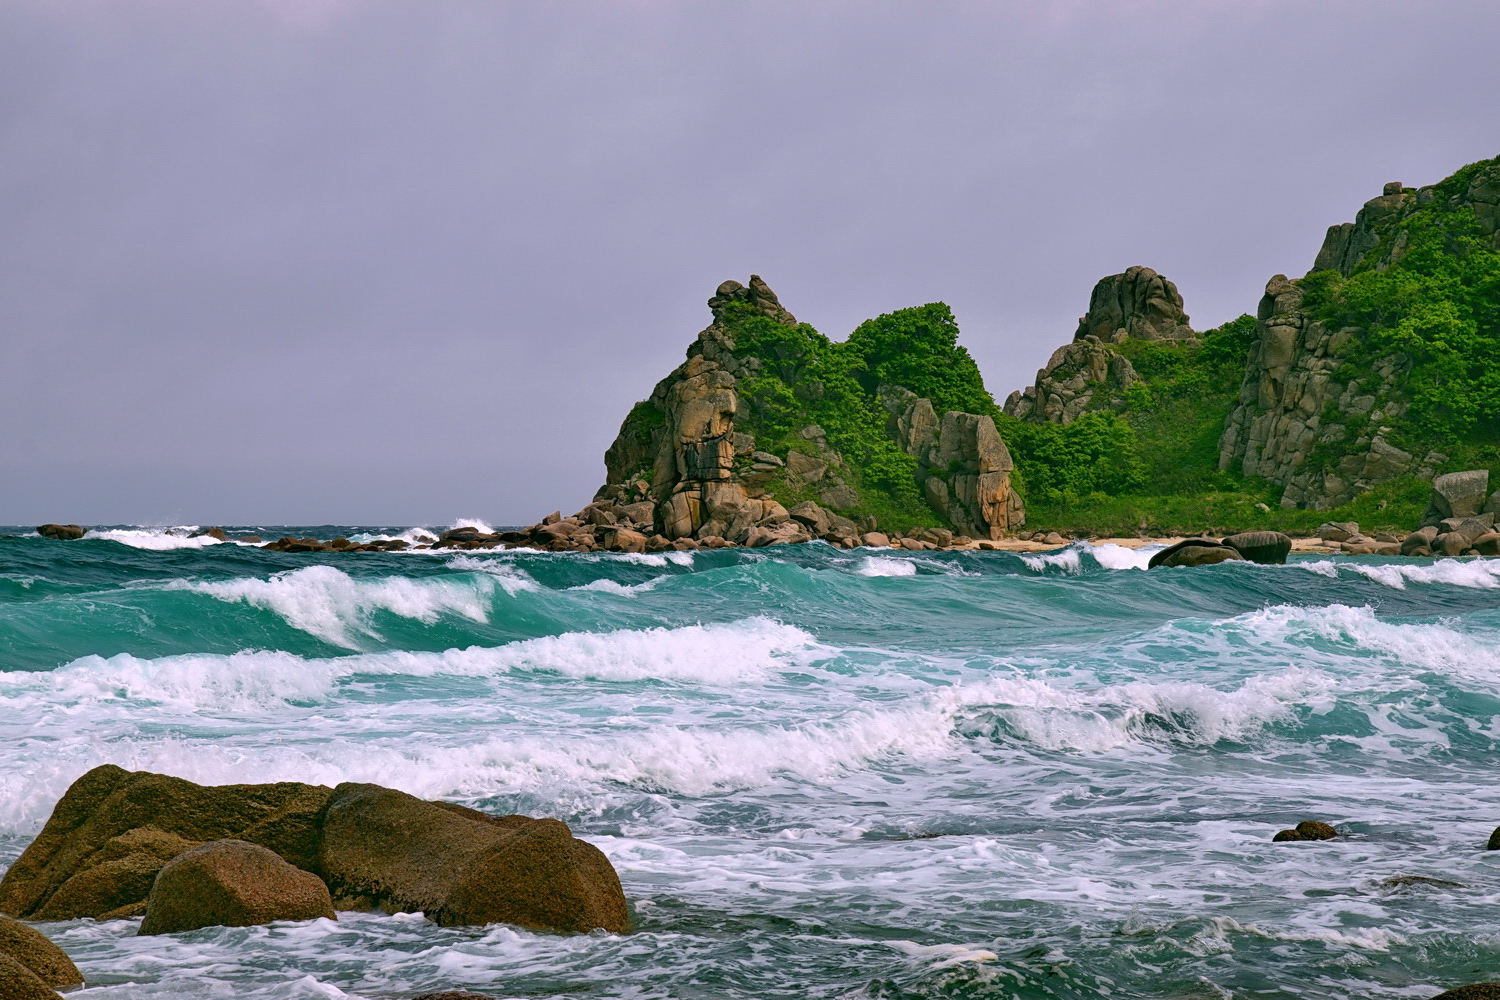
x,y
1397,881
62,532
1308,829
231,883
1494,844
454,995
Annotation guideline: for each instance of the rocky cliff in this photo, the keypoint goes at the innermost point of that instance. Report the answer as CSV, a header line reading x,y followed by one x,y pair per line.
x,y
1089,374
1325,410
765,409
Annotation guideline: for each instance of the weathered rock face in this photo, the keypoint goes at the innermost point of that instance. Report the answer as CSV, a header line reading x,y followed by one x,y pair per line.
x,y
687,453
1139,303
965,466
114,830
1281,417
31,948
1087,374
384,849
1292,406
231,883
62,532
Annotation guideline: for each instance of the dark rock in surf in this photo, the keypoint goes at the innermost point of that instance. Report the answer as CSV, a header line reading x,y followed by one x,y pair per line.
x,y
1268,547
454,995
1402,881
32,949
1308,829
231,883
61,532
1494,844
1474,991
1194,552
215,533
384,849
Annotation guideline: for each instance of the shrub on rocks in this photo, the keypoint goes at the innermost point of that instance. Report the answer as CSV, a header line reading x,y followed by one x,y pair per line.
x,y
231,883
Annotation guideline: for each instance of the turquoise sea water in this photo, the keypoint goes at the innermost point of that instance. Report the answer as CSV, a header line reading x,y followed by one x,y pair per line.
x,y
819,773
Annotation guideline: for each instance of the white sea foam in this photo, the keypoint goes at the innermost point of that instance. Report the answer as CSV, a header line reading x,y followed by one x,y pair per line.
x,y
332,605
156,539
1112,556
885,566
472,522
1412,646
604,586
1068,560
265,680
1481,574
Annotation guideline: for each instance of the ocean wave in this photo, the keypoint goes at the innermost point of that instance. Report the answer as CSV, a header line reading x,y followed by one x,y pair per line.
x,y
1476,573
261,680
885,566
156,539
1412,646
332,605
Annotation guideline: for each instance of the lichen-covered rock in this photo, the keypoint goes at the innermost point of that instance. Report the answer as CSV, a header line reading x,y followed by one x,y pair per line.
x,y
31,948
384,849
113,830
61,532
1458,494
1138,304
231,883
17,982
1308,829
1192,552
1474,991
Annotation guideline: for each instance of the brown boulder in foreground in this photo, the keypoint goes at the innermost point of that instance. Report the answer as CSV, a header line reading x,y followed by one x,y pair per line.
x,y
1475,991
17,982
31,948
113,830
392,851
231,883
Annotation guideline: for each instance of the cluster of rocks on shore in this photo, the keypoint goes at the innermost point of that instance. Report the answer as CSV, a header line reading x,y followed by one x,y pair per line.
x,y
1459,521
182,856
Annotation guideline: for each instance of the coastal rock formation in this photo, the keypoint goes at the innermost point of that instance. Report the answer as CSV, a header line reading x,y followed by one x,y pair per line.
x,y
1292,403
31,949
231,883
690,450
1088,374
1267,547
17,982
1194,552
1300,401
62,532
114,831
1474,991
384,849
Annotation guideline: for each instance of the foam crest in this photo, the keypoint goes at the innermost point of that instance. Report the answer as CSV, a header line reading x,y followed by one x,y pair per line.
x,y
1412,646
1038,714
1480,573
1112,556
156,539
885,566
266,680
332,605
1068,561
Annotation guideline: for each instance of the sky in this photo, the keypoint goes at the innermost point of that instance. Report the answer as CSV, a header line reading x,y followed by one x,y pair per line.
x,y
325,261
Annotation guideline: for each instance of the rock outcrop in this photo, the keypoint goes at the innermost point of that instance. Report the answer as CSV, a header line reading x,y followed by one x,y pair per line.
x,y
1088,374
689,451
231,883
1308,829
1304,419
109,848
61,532
384,849
1293,403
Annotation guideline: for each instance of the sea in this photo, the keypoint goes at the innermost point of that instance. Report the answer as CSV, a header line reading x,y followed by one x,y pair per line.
x,y
820,773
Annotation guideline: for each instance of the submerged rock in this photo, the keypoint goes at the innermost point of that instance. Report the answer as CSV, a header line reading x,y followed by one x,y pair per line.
x,y
231,883
1494,844
1474,991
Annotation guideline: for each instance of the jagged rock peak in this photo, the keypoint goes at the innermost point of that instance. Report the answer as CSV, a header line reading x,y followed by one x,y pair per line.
x,y
1138,303
758,294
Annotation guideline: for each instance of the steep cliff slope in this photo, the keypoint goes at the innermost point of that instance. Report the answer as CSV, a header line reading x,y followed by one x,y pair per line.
x,y
1375,368
892,424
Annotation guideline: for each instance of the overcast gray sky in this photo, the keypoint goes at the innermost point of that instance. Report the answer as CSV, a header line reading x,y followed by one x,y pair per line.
x,y
390,262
